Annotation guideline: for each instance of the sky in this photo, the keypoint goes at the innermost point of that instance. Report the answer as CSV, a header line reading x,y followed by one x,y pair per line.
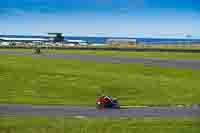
x,y
117,18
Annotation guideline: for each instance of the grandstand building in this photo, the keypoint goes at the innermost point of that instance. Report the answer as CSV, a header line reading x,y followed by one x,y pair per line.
x,y
56,37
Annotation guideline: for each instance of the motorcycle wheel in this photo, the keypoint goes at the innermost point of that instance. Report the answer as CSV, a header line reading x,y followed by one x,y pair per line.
x,y
99,106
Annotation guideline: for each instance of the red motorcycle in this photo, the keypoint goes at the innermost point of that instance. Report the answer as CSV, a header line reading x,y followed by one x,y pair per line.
x,y
107,102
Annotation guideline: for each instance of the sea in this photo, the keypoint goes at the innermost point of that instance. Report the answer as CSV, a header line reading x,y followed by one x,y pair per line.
x,y
102,40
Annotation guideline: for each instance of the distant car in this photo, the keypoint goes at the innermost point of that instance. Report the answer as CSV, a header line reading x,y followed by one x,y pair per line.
x,y
107,102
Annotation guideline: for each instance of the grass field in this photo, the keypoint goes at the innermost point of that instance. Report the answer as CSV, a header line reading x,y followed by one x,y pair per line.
x,y
122,125
172,55
60,81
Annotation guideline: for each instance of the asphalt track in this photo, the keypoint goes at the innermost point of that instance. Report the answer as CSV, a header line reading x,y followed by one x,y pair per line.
x,y
184,63
43,110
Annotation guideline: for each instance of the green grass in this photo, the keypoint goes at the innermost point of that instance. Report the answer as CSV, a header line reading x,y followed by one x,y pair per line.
x,y
172,55
73,125
60,81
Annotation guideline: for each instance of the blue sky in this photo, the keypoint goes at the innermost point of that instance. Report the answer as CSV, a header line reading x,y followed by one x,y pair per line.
x,y
126,18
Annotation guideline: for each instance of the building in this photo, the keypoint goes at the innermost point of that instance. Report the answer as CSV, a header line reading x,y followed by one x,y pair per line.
x,y
6,41
121,41
53,39
56,37
28,40
77,42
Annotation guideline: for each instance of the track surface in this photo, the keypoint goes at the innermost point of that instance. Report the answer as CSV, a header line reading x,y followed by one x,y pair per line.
x,y
193,64
30,110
